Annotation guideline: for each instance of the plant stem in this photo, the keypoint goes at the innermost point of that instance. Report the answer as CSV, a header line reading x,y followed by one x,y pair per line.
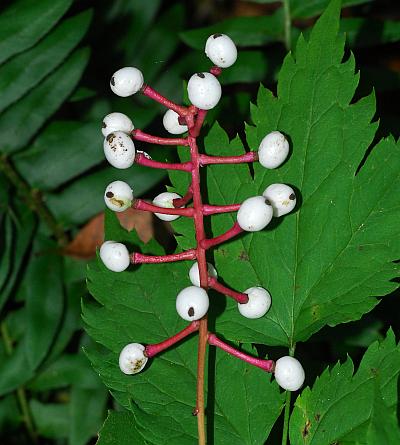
x,y
251,156
142,159
285,434
33,199
156,96
238,296
20,392
287,24
139,258
231,233
140,135
140,204
213,210
179,202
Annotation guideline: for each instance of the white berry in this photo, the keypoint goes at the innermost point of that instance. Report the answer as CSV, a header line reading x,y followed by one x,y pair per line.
x,y
254,214
171,123
115,256
289,373
273,150
165,199
258,304
116,122
204,90
194,274
281,197
221,50
119,150
126,81
192,303
132,359
118,196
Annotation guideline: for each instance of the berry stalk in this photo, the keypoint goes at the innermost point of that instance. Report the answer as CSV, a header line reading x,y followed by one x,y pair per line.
x,y
139,204
142,159
251,156
139,258
240,297
214,210
229,234
140,135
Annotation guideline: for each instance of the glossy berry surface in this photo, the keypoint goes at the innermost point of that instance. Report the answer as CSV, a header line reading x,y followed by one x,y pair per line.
x,y
221,50
254,214
192,303
194,274
289,373
282,198
204,90
171,123
132,359
273,150
116,122
119,150
258,304
166,199
115,256
126,81
118,196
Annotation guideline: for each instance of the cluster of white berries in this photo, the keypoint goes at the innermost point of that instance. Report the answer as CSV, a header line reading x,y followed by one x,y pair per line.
x,y
254,214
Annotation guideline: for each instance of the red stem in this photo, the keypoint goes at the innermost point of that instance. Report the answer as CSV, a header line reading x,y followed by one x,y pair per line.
x,y
141,159
251,156
140,135
139,204
155,95
266,365
213,210
231,233
180,202
152,350
238,296
139,258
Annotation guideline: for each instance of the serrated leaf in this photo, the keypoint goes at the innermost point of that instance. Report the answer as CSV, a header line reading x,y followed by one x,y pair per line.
x,y
119,429
64,150
21,121
244,31
325,262
354,399
44,300
26,70
24,22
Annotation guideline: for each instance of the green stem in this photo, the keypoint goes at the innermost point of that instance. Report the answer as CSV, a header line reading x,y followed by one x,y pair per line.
x,y
287,24
33,199
285,434
20,392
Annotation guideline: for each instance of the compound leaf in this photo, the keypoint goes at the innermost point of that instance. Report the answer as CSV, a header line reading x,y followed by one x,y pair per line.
x,y
338,394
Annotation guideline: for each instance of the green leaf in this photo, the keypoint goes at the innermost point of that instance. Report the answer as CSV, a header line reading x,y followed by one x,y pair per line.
x,y
24,22
325,263
26,70
311,8
64,150
87,409
119,429
358,400
51,419
20,122
244,31
44,300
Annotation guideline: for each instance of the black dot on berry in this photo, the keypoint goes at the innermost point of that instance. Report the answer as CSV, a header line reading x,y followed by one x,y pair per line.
x,y
104,125
112,81
292,197
109,194
110,137
215,36
191,312
268,202
201,75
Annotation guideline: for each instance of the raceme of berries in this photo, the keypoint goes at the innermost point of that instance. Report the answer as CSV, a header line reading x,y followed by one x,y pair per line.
x,y
118,196
253,214
281,197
